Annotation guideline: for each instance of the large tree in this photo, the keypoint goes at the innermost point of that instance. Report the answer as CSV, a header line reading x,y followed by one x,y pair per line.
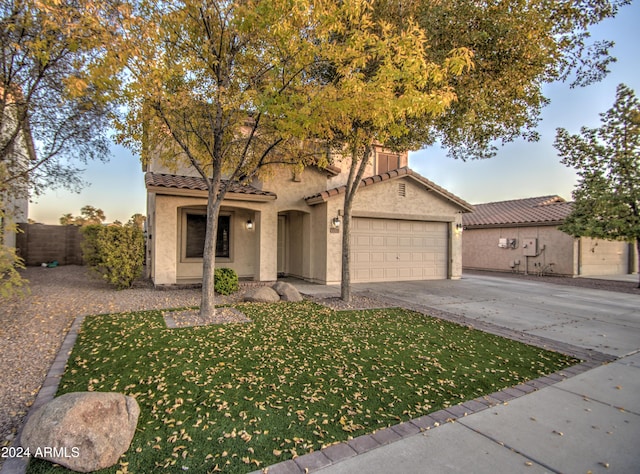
x,y
89,215
607,160
378,76
223,87
51,119
517,48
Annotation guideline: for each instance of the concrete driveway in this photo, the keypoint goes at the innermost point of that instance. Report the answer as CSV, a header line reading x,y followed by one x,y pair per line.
x,y
604,321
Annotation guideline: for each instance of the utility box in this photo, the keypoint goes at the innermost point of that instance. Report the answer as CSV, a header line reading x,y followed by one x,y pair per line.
x,y
502,243
530,247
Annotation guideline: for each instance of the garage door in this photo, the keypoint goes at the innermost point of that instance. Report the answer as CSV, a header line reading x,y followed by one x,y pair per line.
x,y
396,250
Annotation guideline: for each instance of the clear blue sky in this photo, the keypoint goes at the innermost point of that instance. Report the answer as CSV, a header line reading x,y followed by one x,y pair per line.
x,y
520,169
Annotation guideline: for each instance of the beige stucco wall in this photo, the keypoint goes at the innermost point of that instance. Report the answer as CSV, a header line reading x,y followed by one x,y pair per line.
x,y
251,256
313,251
480,250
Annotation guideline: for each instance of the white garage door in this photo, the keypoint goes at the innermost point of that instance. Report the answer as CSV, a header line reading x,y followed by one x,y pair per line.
x,y
396,250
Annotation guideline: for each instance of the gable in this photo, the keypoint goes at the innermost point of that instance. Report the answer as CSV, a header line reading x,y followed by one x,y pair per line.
x,y
389,187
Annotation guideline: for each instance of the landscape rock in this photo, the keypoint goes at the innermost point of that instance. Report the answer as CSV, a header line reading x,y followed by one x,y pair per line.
x,y
82,431
287,291
263,294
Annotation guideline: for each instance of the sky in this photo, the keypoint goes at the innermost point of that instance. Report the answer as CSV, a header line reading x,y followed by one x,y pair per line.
x,y
520,169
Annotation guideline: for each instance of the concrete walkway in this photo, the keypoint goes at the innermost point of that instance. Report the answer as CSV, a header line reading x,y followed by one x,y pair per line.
x,y
587,420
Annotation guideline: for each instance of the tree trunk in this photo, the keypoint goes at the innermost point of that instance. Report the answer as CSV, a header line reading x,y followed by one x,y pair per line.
x,y
207,304
345,281
349,195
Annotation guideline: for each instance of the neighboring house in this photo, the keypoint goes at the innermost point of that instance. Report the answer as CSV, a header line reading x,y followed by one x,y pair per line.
x,y
522,236
405,227
14,200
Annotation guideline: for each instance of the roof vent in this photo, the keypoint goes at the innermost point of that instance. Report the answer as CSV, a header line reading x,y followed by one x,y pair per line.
x,y
402,189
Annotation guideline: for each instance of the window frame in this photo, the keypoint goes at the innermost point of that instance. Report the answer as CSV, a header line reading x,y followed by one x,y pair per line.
x,y
184,235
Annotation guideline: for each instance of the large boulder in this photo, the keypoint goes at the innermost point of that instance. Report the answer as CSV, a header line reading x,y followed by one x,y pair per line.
x,y
287,291
82,431
262,294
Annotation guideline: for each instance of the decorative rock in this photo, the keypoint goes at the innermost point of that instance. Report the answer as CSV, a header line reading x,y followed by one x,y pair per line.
x,y
82,431
263,294
287,291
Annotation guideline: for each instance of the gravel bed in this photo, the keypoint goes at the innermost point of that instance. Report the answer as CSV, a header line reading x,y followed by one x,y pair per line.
x,y
357,302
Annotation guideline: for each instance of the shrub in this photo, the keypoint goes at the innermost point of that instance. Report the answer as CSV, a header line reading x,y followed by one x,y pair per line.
x,y
116,253
89,244
225,281
11,282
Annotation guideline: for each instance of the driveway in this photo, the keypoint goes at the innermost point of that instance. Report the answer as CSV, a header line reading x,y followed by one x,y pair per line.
x,y
605,321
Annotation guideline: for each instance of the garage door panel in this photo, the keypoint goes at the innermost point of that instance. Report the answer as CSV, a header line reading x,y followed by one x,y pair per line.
x,y
405,242
398,250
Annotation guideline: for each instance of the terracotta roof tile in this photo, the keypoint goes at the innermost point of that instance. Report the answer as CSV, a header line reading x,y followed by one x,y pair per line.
x,y
549,210
192,183
398,173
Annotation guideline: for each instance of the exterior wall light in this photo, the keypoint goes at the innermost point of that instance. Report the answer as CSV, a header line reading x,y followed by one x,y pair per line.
x,y
249,224
335,222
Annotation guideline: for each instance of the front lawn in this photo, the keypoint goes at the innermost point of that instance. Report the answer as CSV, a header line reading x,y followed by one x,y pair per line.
x,y
239,397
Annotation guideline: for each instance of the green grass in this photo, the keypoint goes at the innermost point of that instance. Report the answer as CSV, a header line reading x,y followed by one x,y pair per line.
x,y
239,397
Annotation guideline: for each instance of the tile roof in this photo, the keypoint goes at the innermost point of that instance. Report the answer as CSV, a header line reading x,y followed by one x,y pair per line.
x,y
543,210
192,183
393,174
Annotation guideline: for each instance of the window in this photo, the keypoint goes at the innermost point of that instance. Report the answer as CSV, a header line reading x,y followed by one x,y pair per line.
x,y
196,227
387,162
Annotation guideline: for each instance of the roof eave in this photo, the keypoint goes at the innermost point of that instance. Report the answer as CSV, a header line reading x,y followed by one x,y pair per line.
x,y
391,175
229,196
513,224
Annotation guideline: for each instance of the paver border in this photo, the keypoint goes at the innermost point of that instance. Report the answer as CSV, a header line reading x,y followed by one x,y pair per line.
x,y
338,452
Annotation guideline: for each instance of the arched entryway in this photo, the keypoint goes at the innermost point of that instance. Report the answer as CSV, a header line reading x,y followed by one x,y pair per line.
x,y
294,244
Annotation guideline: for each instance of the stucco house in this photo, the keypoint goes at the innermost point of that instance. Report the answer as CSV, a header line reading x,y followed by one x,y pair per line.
x,y
522,236
405,226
